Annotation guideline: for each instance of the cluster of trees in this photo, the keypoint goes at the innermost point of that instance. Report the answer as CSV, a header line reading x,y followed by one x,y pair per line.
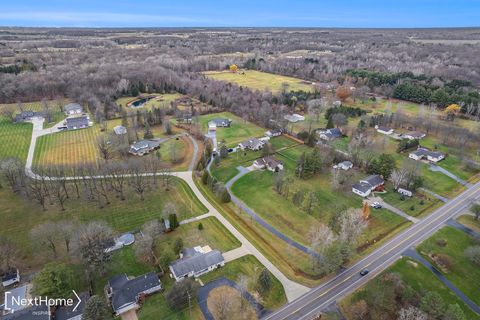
x,y
389,297
352,112
309,164
216,186
19,66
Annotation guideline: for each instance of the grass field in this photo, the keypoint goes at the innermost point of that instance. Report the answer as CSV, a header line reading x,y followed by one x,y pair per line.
x,y
19,216
470,222
251,267
239,130
161,101
256,190
462,273
422,203
257,80
419,278
14,139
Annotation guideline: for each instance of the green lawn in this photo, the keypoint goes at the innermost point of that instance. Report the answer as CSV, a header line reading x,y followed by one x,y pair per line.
x,y
470,222
251,267
15,139
419,278
214,234
239,130
439,183
282,142
19,216
257,80
226,169
462,273
421,202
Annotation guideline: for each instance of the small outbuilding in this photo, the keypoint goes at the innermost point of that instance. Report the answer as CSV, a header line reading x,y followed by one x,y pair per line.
x,y
120,130
344,165
384,130
405,192
10,277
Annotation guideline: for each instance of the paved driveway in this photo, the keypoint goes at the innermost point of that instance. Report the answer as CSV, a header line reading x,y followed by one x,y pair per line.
x,y
434,167
391,208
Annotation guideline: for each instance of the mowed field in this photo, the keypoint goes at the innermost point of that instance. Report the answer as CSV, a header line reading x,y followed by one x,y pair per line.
x,y
14,139
239,130
257,80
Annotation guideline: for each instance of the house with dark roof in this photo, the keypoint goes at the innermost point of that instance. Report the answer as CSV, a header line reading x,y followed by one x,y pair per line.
x,y
252,144
10,277
269,163
41,312
384,130
274,133
413,135
365,186
72,109
329,134
195,262
27,115
424,153
13,296
78,122
143,147
73,312
125,294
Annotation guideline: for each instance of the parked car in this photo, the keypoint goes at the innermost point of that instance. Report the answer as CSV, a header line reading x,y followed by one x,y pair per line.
x,y
376,205
364,272
62,128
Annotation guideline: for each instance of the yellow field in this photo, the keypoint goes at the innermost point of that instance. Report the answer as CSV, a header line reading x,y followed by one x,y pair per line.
x,y
258,80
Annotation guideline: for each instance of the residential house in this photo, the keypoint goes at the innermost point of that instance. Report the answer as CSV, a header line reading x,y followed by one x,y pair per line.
x,y
365,186
269,163
413,135
125,294
72,312
384,130
423,153
80,122
10,277
220,122
344,165
274,133
28,115
72,109
14,295
405,192
41,312
143,147
329,134
253,144
120,130
294,117
195,262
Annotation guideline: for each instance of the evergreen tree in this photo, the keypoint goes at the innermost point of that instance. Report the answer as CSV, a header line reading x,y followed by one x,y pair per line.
x,y
148,132
264,282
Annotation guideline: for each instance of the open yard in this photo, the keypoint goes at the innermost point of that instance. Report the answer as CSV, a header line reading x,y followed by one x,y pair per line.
x,y
14,139
19,216
414,275
419,205
470,222
239,130
257,80
451,243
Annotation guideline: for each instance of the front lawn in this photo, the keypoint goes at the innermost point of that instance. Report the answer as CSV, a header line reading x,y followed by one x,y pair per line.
x,y
14,139
421,203
251,267
462,273
226,169
239,130
470,222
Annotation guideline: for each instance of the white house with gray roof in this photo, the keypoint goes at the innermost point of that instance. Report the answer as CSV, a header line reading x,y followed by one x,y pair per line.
x,y
424,153
143,147
195,262
253,144
73,109
365,186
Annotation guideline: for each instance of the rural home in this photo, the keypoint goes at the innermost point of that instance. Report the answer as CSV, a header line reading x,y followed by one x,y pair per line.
x,y
253,144
329,134
10,277
220,122
344,165
41,312
143,147
125,294
364,187
69,312
27,116
269,163
72,109
120,130
15,294
294,117
384,130
413,135
405,192
195,262
80,122
274,133
423,153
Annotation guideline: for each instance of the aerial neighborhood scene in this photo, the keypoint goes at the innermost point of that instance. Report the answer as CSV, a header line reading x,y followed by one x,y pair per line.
x,y
240,160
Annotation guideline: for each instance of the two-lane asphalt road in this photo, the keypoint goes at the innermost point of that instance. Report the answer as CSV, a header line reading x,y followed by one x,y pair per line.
x,y
310,304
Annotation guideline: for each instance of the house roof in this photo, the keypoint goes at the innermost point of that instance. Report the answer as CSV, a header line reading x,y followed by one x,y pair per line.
x,y
415,134
269,161
346,163
77,121
252,143
144,144
9,275
386,129
373,180
120,130
18,293
196,261
362,187
423,152
125,291
66,312
220,121
27,114
73,107
33,313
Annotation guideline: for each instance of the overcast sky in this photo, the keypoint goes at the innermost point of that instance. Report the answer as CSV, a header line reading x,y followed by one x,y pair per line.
x,y
245,13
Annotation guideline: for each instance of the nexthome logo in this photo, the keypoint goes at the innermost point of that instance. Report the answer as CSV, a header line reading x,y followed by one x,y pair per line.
x,y
13,302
